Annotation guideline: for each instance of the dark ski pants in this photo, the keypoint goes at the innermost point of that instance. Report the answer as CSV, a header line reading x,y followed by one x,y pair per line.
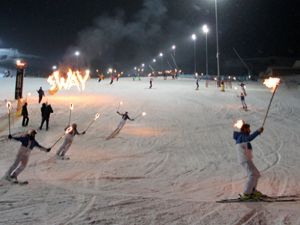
x,y
44,119
25,121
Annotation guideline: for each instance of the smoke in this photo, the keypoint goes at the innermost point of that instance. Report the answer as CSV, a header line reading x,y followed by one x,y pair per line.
x,y
127,39
115,40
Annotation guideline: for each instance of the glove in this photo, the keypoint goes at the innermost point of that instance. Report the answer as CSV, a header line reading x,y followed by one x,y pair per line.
x,y
48,149
83,132
260,130
9,136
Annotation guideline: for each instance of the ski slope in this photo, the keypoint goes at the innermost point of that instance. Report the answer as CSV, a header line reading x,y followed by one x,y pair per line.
x,y
169,167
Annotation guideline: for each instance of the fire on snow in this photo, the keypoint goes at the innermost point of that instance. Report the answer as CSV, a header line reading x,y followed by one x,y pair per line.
x,y
59,81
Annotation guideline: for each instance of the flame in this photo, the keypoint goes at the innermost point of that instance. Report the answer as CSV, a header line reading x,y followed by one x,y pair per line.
x,y
97,116
239,124
69,129
272,82
121,103
8,105
20,63
144,114
73,78
71,107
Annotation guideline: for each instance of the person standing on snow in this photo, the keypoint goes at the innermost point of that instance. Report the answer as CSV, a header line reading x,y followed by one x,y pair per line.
x,y
24,113
28,143
41,94
46,110
197,83
151,81
69,136
244,152
243,89
243,101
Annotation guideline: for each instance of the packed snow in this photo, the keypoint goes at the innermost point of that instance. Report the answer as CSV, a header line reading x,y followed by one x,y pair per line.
x,y
168,167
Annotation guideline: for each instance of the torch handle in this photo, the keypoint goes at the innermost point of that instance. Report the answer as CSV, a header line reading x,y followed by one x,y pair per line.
x,y
57,141
9,122
269,105
89,125
70,117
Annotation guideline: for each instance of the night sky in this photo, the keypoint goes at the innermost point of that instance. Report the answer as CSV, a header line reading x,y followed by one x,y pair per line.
x,y
124,33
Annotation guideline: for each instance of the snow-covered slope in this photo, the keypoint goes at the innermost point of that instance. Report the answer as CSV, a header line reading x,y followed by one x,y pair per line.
x,y
168,167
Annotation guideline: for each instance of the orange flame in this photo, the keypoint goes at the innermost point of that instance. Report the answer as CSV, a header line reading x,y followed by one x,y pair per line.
x,y
239,124
73,78
71,107
97,116
69,129
272,82
8,105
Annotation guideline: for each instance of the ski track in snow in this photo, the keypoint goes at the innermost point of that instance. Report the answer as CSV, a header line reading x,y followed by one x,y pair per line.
x,y
166,168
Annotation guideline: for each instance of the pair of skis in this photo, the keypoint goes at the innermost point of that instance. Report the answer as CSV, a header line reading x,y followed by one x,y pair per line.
x,y
280,198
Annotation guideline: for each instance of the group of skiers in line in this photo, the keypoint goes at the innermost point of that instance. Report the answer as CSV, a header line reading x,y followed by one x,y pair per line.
x,y
242,95
28,142
242,138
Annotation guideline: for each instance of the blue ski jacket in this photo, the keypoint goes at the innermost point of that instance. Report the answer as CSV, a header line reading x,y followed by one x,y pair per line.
x,y
243,145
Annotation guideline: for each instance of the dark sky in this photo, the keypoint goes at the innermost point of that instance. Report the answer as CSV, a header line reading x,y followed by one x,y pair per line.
x,y
124,33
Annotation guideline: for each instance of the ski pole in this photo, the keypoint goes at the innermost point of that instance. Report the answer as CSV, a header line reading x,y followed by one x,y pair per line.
x,y
8,105
96,117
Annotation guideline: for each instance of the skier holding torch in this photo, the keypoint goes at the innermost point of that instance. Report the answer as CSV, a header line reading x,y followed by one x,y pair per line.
x,y
28,143
71,132
245,156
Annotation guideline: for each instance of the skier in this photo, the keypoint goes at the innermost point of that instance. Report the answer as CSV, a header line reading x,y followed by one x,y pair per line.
x,y
243,101
243,88
46,110
28,143
244,152
121,124
69,136
222,86
197,83
112,79
151,80
41,94
24,113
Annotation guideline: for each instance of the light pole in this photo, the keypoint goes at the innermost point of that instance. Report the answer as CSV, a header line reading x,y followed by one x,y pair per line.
x,y
174,50
194,38
217,40
77,54
206,30
161,62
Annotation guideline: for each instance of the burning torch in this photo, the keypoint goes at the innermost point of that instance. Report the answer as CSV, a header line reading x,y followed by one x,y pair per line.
x,y
8,105
120,103
71,109
239,124
272,83
142,114
96,117
68,130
